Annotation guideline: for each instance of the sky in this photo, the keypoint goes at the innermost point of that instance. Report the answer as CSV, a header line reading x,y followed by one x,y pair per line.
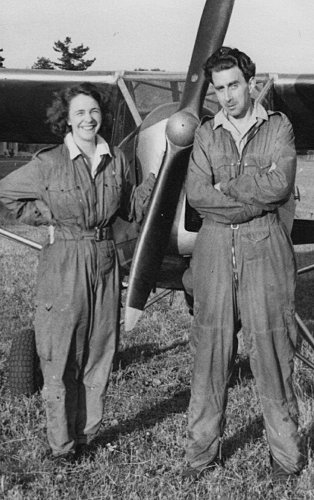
x,y
128,34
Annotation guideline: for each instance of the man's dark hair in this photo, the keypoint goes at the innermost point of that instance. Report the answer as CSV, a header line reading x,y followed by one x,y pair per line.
x,y
226,58
58,112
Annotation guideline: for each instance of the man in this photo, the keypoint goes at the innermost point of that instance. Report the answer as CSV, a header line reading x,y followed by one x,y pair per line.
x,y
242,169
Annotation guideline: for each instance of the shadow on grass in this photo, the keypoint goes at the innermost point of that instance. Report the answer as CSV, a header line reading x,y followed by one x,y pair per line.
x,y
147,418
178,403
251,432
143,353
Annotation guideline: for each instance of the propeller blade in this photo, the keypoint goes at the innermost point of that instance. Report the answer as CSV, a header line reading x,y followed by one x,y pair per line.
x,y
180,130
155,234
210,36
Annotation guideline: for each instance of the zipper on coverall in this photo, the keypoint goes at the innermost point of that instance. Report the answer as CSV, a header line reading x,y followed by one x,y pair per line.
x,y
94,205
235,227
97,231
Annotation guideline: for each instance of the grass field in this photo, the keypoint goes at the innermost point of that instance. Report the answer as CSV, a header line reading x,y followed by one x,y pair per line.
x,y
139,453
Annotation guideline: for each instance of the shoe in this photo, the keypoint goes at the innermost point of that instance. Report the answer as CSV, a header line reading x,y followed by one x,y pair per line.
x,y
64,459
193,474
81,451
280,475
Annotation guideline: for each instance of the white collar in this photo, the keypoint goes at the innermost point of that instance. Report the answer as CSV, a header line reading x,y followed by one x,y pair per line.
x,y
258,111
102,147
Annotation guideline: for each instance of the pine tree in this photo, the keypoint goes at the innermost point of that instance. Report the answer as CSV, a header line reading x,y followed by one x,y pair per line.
x,y
43,63
72,58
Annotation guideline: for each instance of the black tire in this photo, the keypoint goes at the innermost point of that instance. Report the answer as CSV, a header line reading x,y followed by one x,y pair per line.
x,y
24,374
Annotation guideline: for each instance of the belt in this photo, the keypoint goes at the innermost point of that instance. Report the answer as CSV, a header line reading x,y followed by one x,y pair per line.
x,y
256,224
98,233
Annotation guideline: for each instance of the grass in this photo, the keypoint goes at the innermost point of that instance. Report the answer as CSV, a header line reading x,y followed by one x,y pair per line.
x,y
139,452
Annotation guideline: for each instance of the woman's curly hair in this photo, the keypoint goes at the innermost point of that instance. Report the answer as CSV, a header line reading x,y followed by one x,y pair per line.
x,y
58,112
226,58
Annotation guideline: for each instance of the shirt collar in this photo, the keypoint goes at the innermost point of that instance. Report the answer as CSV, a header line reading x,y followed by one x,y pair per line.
x,y
258,112
102,147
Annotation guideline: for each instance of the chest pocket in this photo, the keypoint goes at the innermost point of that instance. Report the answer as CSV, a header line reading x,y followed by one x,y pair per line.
x,y
113,186
224,167
256,164
63,199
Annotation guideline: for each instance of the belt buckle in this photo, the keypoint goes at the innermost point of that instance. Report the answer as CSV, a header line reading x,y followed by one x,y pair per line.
x,y
98,234
234,226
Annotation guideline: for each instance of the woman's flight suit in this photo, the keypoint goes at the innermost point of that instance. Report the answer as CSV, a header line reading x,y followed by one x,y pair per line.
x,y
78,293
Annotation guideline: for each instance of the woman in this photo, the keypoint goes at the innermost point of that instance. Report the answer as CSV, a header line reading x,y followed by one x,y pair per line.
x,y
77,188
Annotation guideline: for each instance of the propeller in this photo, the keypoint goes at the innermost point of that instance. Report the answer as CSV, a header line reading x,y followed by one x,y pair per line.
x,y
180,129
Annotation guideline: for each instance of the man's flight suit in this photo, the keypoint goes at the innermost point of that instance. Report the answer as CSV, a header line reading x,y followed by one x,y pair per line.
x,y
243,274
78,300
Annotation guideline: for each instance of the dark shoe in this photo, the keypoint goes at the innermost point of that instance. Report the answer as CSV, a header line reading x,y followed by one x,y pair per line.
x,y
193,474
280,475
64,459
81,451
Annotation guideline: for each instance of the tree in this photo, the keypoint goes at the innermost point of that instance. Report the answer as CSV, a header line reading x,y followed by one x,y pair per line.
x,y
72,58
43,63
1,59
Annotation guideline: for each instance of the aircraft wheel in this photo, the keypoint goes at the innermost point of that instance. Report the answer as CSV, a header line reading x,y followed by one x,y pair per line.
x,y
24,374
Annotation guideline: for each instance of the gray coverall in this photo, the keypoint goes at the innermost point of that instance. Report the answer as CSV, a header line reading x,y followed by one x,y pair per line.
x,y
243,274
78,294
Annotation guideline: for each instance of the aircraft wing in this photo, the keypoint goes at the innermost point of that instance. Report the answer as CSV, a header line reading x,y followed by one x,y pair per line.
x,y
26,94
